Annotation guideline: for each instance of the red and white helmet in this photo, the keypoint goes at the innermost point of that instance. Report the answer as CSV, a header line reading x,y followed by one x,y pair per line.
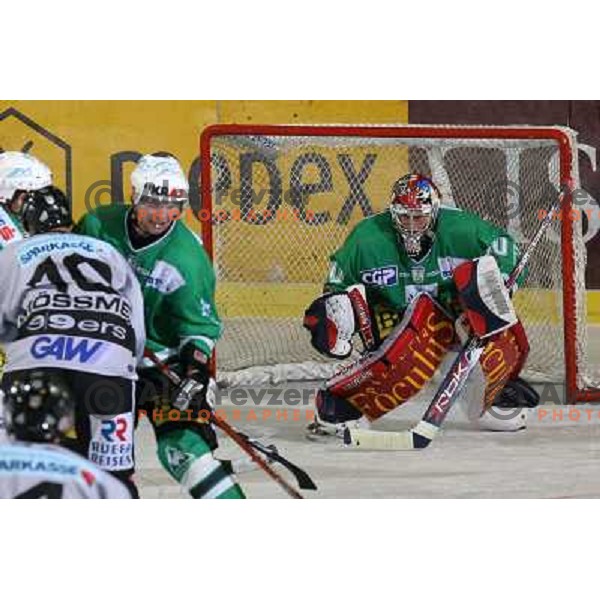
x,y
414,196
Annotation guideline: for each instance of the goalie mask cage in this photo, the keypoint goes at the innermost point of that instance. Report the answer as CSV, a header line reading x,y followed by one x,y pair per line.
x,y
277,200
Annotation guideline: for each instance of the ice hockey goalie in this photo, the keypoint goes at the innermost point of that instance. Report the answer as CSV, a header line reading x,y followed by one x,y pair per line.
x,y
414,281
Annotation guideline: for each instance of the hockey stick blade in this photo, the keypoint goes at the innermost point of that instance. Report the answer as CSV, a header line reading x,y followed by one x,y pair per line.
x,y
379,440
249,449
302,477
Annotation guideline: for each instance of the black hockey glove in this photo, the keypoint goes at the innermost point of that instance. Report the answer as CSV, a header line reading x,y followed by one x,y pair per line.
x,y
191,392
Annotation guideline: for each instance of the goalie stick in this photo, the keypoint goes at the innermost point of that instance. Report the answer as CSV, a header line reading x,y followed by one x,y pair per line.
x,y
424,432
249,445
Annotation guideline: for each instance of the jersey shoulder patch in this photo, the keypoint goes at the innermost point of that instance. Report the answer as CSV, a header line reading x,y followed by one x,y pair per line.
x,y
165,278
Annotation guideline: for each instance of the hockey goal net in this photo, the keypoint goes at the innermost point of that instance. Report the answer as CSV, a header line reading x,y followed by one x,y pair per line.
x,y
278,200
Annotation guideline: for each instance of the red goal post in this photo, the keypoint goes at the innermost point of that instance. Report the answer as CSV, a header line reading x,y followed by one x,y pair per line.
x,y
476,166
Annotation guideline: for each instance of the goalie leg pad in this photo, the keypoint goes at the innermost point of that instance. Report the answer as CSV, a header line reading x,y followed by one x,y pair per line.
x,y
408,358
502,360
508,399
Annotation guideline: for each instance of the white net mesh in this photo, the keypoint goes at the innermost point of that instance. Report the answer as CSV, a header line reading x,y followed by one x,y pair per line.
x,y
284,203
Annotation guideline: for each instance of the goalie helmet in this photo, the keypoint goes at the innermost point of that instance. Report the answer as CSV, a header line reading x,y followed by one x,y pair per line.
x,y
159,179
20,172
44,210
414,207
38,407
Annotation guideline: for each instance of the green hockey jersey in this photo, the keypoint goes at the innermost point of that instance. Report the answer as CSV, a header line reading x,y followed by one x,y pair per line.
x,y
177,280
373,255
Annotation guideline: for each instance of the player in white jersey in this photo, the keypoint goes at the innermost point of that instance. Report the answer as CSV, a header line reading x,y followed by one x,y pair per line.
x,y
19,173
72,304
39,410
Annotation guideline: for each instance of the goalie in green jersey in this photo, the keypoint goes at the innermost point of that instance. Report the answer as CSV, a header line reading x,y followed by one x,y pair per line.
x,y
182,323
394,282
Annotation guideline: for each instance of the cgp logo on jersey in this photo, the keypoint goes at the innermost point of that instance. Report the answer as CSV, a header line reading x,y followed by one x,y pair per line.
x,y
66,349
111,446
382,276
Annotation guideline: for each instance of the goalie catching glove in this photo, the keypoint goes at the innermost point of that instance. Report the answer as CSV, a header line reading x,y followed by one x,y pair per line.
x,y
334,318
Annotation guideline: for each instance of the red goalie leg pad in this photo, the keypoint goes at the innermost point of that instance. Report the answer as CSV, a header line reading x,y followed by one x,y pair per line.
x,y
503,359
382,380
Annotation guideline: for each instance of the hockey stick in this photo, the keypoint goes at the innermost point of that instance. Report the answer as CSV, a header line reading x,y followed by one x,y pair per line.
x,y
303,478
428,427
247,444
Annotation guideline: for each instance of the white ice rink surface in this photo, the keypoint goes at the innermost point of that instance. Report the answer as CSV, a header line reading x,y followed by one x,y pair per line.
x,y
557,456
553,458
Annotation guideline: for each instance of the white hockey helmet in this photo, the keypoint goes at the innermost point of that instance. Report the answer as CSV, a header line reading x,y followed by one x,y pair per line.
x,y
20,172
159,179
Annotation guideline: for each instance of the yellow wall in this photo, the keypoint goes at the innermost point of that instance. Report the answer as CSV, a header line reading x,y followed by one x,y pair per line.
x,y
593,306
99,130
313,111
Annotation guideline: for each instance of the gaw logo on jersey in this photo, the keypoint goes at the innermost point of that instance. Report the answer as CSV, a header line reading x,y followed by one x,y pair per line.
x,y
382,276
65,348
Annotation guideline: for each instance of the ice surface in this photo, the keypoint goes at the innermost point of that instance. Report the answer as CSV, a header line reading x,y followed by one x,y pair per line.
x,y
557,456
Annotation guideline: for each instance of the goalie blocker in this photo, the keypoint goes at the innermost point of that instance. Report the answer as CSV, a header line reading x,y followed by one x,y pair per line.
x,y
407,360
